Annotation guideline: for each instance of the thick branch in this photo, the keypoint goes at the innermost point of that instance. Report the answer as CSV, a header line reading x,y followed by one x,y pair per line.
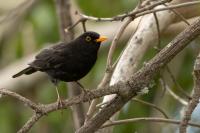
x,y
139,43
65,20
142,78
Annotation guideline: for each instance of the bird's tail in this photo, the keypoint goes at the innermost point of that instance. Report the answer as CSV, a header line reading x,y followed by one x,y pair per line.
x,y
27,71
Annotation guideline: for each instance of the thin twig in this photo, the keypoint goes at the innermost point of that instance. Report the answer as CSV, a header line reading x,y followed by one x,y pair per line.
x,y
150,119
85,18
174,95
74,25
24,100
152,105
158,48
168,8
163,85
84,26
143,11
179,15
158,30
177,84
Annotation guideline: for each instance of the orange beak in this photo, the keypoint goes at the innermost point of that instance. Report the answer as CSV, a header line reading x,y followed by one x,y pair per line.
x,y
101,39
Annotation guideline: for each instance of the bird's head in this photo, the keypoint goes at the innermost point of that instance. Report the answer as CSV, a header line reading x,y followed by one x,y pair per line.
x,y
91,38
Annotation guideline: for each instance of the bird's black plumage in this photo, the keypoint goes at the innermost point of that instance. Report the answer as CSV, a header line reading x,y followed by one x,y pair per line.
x,y
67,61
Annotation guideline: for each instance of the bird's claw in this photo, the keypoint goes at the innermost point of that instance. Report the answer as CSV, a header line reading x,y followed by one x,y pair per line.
x,y
83,93
60,103
86,92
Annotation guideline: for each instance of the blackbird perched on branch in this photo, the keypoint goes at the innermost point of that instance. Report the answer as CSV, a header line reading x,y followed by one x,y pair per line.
x,y
67,61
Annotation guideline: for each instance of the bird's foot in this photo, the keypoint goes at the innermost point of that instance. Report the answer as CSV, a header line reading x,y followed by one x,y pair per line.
x,y
60,103
83,93
86,93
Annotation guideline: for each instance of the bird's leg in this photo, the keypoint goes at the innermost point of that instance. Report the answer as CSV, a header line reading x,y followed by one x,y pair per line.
x,y
84,91
59,100
82,87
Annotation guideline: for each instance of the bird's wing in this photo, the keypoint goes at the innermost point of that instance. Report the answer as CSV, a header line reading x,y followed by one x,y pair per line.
x,y
51,58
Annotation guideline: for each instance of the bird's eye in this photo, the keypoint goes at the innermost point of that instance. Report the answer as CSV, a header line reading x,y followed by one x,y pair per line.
x,y
88,38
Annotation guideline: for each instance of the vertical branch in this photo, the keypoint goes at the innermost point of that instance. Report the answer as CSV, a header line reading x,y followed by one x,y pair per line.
x,y
64,16
65,20
77,110
195,97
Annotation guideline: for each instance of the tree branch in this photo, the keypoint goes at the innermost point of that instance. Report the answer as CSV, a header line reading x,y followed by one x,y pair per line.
x,y
138,45
152,105
195,97
125,90
84,18
150,119
142,78
136,13
65,19
24,100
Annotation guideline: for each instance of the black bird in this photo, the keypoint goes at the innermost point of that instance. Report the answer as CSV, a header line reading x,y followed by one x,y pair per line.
x,y
67,61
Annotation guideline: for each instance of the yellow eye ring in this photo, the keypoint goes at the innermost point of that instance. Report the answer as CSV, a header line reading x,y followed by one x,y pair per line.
x,y
88,38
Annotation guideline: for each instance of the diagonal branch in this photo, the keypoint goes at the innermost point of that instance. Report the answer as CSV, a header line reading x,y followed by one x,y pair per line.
x,y
30,123
142,78
24,100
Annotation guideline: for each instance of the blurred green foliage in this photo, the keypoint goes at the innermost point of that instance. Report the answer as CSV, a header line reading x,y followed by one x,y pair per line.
x,y
103,8
43,20
45,23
